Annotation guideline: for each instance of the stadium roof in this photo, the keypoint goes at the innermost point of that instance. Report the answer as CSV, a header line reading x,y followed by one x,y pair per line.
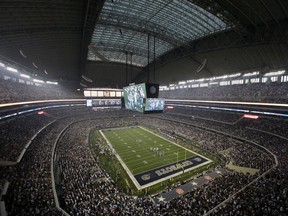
x,y
124,26
51,38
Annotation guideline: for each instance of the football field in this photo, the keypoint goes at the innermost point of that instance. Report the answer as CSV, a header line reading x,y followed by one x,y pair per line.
x,y
144,154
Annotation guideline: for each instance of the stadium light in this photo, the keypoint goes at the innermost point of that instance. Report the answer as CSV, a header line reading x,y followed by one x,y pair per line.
x,y
251,116
200,80
24,75
39,81
276,73
182,83
12,69
251,74
52,83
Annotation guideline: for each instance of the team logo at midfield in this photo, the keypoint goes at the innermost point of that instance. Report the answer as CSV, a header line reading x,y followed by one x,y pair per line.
x,y
145,177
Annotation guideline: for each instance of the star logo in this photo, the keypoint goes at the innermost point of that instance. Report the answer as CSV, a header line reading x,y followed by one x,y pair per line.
x,y
194,183
161,199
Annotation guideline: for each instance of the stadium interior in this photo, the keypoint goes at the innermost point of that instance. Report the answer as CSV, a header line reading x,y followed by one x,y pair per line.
x,y
118,107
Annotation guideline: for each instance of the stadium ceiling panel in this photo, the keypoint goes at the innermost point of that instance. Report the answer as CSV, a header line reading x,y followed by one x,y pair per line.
x,y
123,28
47,38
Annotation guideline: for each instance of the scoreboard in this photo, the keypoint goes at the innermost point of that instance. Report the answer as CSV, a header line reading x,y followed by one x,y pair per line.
x,y
103,93
103,102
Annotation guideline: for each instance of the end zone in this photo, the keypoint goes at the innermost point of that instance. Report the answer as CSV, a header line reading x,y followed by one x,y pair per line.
x,y
163,173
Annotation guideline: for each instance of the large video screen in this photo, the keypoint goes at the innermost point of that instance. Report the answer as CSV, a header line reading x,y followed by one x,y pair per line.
x,y
154,104
133,97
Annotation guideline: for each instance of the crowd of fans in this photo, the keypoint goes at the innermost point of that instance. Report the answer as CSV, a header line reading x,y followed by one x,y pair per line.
x,y
254,92
30,191
269,193
238,153
205,113
85,188
11,91
15,134
276,126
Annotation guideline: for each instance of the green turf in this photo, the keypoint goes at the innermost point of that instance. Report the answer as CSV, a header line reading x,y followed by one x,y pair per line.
x,y
133,146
